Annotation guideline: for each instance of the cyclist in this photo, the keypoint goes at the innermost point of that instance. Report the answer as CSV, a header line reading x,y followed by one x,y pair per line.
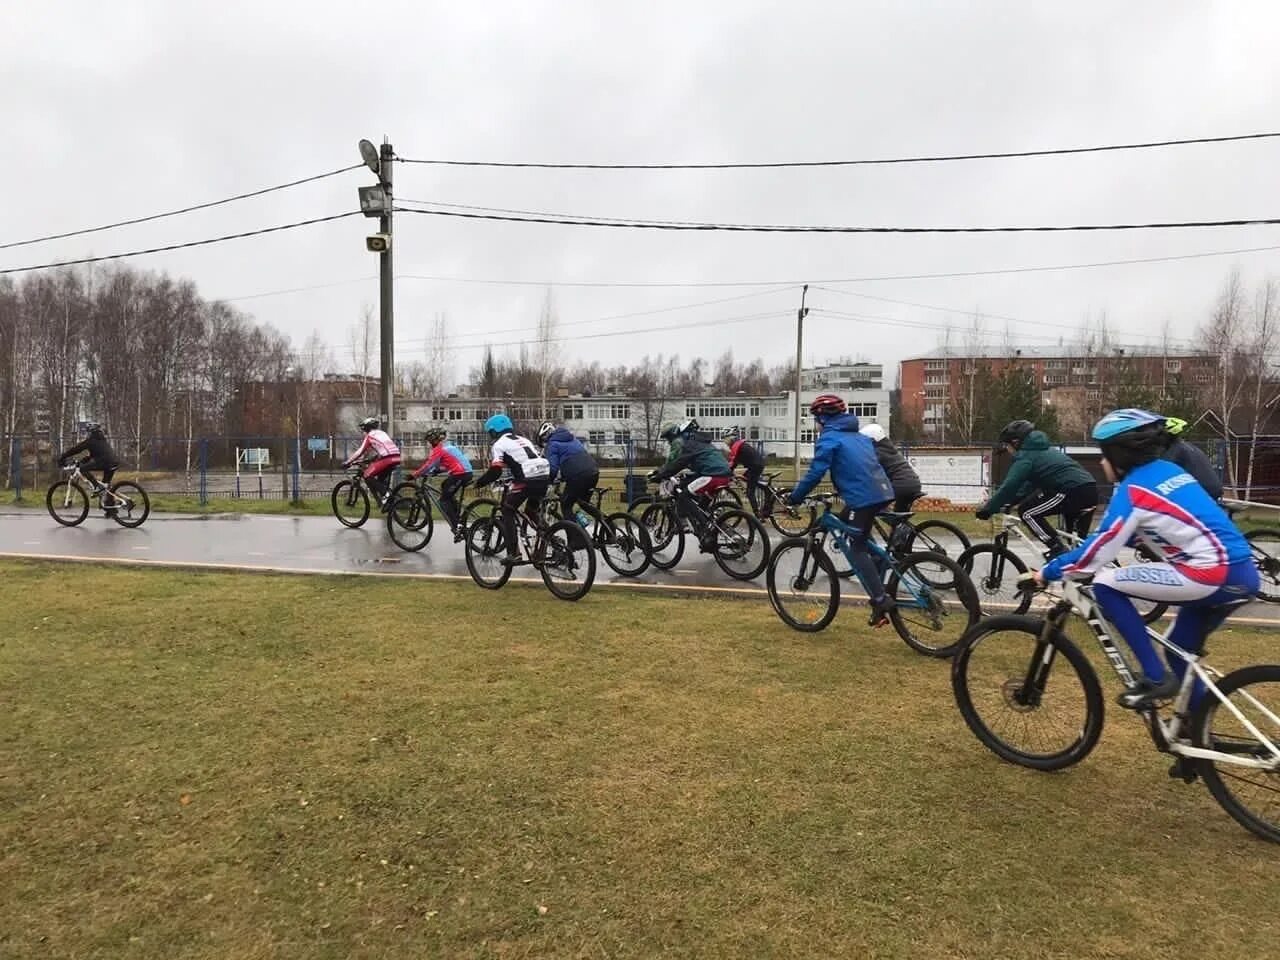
x,y
709,472
530,472
1207,562
1056,483
859,480
745,455
905,480
101,457
670,432
384,456
570,461
1191,458
447,458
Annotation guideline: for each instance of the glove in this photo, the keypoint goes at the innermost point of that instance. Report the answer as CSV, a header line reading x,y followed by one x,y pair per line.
x,y
652,476
982,514
1028,582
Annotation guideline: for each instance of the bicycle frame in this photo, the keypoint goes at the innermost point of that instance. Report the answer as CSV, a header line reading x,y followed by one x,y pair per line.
x,y
828,522
96,487
1167,734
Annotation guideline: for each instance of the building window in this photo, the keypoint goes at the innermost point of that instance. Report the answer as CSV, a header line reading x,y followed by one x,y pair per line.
x,y
1173,366
753,433
806,436
755,409
596,437
935,364
620,411
622,437
571,411
455,414
863,409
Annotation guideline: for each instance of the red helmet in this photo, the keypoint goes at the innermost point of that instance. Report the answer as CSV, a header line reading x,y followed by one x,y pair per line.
x,y
827,405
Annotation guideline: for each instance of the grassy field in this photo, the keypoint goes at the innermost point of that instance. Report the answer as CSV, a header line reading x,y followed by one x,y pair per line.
x,y
234,766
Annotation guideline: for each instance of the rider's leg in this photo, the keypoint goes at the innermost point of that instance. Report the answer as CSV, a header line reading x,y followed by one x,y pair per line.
x,y
510,504
903,499
582,488
1034,515
1199,618
752,478
872,578
449,491
1078,507
704,488
535,492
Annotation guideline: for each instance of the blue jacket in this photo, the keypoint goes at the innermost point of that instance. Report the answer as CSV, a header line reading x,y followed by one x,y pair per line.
x,y
1162,506
567,456
851,458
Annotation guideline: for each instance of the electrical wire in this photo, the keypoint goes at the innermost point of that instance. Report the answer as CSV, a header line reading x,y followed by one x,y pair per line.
x,y
879,161
791,228
180,246
277,293
174,213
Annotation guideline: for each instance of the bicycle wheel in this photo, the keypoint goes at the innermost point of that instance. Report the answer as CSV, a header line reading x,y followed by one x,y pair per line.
x,y
550,512
803,588
937,536
131,505
350,503
480,508
790,521
566,561
994,572
68,504
741,547
1265,545
727,497
930,619
409,523
666,534
1251,796
1036,705
485,549
624,543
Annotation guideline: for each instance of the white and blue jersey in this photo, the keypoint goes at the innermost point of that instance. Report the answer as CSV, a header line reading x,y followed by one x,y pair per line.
x,y
1162,506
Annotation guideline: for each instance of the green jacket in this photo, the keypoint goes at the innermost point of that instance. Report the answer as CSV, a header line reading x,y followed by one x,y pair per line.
x,y
1037,467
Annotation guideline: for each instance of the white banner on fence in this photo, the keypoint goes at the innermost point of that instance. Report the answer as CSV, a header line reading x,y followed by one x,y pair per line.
x,y
963,478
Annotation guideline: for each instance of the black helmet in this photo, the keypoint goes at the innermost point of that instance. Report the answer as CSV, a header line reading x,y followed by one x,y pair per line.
x,y
669,431
1131,437
1016,431
435,435
370,423
90,426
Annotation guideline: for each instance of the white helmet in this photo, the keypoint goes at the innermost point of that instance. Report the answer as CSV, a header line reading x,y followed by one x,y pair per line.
x,y
874,431
545,431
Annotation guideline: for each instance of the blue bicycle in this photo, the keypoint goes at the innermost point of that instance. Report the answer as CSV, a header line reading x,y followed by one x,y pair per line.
x,y
934,599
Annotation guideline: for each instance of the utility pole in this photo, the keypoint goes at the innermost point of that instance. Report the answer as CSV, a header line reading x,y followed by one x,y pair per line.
x,y
377,202
800,315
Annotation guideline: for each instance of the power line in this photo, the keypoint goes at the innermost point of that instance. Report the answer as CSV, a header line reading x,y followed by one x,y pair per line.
x,y
180,246
277,293
880,161
174,213
563,220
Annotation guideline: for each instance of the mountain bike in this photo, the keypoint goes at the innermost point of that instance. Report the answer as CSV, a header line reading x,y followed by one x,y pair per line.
x,y
560,552
804,587
734,538
1030,696
410,518
619,537
124,501
995,569
350,497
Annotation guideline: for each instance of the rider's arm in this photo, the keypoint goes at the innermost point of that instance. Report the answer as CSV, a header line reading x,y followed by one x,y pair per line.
x,y
430,462
552,453
70,452
356,456
1018,476
822,454
1117,527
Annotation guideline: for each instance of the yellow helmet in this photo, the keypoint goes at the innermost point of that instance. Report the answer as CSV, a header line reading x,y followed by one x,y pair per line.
x,y
1175,425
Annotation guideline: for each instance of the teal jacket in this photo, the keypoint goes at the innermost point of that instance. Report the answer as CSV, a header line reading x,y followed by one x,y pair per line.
x,y
1037,466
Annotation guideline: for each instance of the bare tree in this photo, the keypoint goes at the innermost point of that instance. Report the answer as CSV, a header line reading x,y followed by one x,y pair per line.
x,y
545,350
1263,339
363,342
1224,337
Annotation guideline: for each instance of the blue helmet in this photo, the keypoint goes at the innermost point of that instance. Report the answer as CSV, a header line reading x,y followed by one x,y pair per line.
x,y
1131,437
499,423
1122,421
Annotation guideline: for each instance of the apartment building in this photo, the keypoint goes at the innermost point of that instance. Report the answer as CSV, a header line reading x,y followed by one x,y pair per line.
x,y
837,377
935,385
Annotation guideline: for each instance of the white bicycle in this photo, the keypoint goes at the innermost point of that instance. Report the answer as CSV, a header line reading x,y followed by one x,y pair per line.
x,y
1032,698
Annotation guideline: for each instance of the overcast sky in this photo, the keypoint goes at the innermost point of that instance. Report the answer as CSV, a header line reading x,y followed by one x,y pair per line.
x,y
123,109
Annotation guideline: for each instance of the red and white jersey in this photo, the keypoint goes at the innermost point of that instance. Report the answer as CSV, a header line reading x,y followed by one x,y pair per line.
x,y
379,444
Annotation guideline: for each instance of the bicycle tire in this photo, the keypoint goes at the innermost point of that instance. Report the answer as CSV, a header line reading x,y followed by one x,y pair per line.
x,y
409,523
912,621
1215,777
970,689
1268,562
937,535
789,521
71,499
805,582
988,568
565,548
630,551
349,496
666,534
481,507
484,550
726,497
139,504
738,534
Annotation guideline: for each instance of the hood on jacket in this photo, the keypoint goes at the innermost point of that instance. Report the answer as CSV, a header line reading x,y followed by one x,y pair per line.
x,y
1036,440
844,422
561,434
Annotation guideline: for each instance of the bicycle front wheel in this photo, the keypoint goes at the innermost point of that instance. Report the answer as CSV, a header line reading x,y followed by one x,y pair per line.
x,y
566,560
409,523
802,585
350,503
68,504
1265,545
130,505
481,508
1251,795
790,521
485,548
931,619
994,572
624,544
741,546
665,533
1034,703
937,536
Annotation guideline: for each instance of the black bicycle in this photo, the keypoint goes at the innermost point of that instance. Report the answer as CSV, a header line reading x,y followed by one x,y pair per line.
x,y
350,497
410,518
560,552
735,538
619,537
